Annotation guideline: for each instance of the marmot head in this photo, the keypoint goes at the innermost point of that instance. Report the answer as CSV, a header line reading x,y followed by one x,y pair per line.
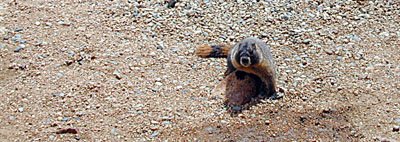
x,y
247,54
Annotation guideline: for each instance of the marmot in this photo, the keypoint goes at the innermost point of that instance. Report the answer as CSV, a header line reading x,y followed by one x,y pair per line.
x,y
249,56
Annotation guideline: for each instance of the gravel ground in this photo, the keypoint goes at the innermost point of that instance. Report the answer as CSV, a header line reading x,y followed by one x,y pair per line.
x,y
126,70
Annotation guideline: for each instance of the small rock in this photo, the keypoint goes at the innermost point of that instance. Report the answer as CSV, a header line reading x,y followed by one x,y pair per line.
x,y
365,16
49,24
140,112
159,83
155,89
38,43
51,136
67,131
3,45
174,49
307,41
397,120
65,119
209,129
77,138
117,75
267,122
166,122
285,17
396,128
328,51
19,48
355,38
326,110
166,118
154,134
263,35
37,23
18,29
304,98
21,109
171,4
160,47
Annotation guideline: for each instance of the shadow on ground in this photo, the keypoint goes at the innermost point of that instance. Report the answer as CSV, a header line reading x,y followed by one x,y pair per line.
x,y
284,125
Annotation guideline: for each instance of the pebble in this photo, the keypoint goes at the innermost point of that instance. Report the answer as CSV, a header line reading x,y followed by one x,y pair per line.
x,y
18,29
21,109
77,138
117,74
166,118
397,120
155,89
326,110
285,17
365,16
19,48
171,4
160,47
329,52
39,43
159,83
174,49
51,136
355,38
3,45
396,128
48,24
307,41
65,119
37,23
267,122
154,134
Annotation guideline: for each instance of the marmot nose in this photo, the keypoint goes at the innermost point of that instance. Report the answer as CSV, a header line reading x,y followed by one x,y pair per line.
x,y
245,61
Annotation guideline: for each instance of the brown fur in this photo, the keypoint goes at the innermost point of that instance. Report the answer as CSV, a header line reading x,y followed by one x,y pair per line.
x,y
262,64
207,51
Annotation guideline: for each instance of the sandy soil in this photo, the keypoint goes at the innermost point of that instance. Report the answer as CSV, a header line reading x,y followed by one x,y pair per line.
x,y
126,70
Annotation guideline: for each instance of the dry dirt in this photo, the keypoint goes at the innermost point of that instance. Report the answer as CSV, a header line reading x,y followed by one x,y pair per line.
x,y
126,70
